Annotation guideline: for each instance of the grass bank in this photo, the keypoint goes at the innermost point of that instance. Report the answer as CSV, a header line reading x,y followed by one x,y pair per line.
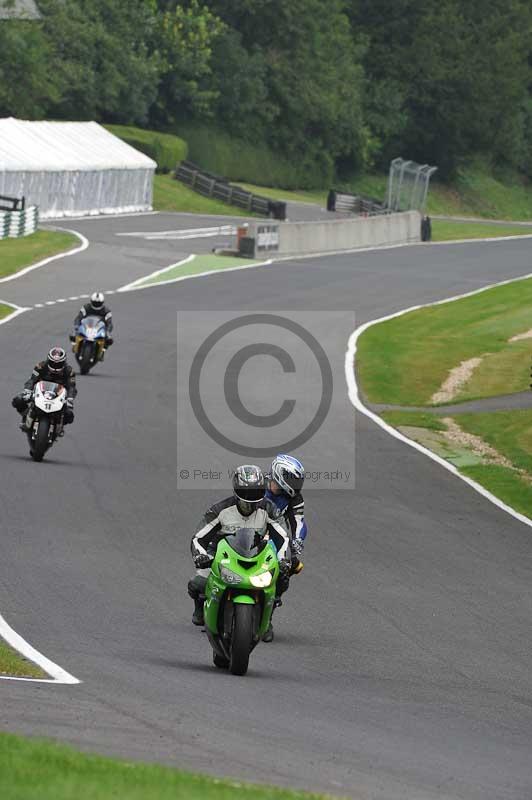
x,y
14,665
404,361
39,770
15,254
171,195
446,231
5,310
164,148
475,191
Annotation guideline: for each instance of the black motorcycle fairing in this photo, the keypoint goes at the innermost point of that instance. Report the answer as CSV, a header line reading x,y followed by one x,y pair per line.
x,y
247,542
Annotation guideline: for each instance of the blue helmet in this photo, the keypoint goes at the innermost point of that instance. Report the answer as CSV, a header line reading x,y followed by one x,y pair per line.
x,y
289,473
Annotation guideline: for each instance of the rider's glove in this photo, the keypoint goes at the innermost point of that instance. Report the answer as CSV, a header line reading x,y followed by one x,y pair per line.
x,y
296,547
202,560
26,394
284,567
72,337
70,403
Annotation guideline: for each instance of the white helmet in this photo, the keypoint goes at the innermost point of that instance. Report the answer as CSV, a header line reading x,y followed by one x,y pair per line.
x,y
97,300
289,473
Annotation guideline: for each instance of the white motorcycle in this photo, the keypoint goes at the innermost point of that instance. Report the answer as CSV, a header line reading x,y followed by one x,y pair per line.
x,y
44,418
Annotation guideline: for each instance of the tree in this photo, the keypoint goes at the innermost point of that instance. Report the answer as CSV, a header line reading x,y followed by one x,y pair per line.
x,y
186,36
27,85
105,56
313,74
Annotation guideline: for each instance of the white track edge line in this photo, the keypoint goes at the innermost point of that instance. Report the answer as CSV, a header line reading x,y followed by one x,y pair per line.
x,y
354,396
22,646
161,271
83,246
223,270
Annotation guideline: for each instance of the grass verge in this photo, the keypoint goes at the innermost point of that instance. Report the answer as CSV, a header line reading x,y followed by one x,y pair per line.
x,y
405,360
172,195
40,770
201,263
509,433
444,231
13,664
5,310
15,254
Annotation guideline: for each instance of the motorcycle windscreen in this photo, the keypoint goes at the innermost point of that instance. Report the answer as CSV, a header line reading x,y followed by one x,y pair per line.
x,y
247,542
51,389
95,325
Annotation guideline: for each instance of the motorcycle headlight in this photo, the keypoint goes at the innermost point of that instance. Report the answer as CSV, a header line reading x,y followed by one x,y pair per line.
x,y
261,581
228,576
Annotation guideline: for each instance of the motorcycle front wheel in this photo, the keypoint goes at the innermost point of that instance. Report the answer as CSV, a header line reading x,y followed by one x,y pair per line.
x,y
40,443
241,639
85,357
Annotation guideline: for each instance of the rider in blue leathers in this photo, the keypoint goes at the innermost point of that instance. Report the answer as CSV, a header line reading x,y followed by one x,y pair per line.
x,y
284,500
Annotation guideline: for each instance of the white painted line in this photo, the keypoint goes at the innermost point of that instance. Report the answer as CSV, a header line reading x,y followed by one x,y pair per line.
x,y
38,305
484,240
82,296
61,300
50,303
18,643
145,278
110,291
83,246
76,297
188,233
354,397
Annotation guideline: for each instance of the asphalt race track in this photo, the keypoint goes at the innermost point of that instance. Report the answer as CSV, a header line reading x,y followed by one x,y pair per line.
x,y
401,666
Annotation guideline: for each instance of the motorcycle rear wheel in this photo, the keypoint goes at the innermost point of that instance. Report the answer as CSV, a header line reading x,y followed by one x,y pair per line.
x,y
40,443
241,639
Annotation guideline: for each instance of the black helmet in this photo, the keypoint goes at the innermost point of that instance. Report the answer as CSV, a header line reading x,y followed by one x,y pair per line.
x,y
248,487
56,360
97,300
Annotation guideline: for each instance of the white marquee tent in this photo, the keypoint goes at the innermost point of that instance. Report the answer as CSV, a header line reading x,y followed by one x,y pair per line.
x,y
72,168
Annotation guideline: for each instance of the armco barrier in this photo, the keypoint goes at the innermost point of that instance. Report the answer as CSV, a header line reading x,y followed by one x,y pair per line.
x,y
304,238
14,224
215,186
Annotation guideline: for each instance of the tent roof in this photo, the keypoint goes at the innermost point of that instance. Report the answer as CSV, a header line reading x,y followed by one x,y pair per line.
x,y
18,9
64,146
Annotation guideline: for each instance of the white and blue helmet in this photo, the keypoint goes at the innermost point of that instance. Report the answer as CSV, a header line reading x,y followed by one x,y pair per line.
x,y
289,473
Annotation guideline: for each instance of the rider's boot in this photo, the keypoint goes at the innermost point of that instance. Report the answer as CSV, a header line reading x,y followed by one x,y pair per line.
x,y
197,616
268,636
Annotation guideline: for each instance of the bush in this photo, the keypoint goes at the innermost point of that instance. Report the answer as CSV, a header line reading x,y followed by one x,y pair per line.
x,y
165,148
240,160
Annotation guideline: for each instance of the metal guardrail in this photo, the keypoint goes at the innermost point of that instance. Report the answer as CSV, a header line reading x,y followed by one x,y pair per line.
x,y
12,203
354,204
214,186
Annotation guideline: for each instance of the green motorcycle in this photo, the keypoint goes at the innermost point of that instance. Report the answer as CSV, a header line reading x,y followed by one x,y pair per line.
x,y
240,596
